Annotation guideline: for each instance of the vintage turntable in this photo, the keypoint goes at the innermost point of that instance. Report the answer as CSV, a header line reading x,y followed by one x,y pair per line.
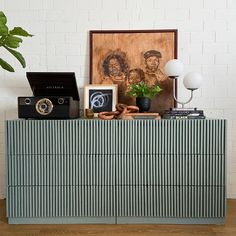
x,y
55,96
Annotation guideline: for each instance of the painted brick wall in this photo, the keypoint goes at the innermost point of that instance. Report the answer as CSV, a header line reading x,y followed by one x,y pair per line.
x,y
207,44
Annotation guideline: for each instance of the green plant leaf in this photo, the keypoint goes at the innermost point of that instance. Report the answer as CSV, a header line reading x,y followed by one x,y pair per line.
x,y
9,40
143,90
17,55
3,18
21,32
3,29
6,66
13,41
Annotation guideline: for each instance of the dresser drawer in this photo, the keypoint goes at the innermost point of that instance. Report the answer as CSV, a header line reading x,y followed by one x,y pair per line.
x,y
61,201
178,170
171,201
56,170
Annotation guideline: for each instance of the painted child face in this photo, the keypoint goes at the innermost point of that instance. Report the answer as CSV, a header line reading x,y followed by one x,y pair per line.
x,y
134,77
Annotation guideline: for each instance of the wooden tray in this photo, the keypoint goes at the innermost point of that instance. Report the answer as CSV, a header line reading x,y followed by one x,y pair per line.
x,y
141,116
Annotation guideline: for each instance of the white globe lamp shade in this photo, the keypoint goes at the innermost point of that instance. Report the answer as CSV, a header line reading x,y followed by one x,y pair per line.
x,y
192,80
174,68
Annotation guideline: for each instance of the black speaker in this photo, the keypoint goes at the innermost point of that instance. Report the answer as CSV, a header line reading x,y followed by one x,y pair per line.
x,y
48,107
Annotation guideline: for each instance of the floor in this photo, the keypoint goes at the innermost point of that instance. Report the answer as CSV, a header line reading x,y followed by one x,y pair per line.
x,y
228,229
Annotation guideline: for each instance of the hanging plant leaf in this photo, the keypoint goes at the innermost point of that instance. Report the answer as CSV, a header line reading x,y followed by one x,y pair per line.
x,y
21,32
6,66
13,41
3,18
3,29
17,55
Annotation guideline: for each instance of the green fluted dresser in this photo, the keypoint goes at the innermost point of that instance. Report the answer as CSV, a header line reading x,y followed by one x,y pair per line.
x,y
119,171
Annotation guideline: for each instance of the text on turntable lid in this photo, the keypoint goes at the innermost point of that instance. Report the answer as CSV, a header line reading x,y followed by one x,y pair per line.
x,y
53,84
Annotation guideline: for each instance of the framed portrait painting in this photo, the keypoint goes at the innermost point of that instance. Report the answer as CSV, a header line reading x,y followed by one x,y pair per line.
x,y
129,57
100,98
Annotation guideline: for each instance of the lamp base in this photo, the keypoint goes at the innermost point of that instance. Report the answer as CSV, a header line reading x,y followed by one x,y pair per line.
x,y
184,113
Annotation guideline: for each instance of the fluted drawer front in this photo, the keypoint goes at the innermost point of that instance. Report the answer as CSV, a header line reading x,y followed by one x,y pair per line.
x,y
60,137
171,170
57,201
116,137
129,170
55,170
171,201
171,137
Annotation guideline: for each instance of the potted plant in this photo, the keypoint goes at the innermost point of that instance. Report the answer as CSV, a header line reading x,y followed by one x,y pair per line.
x,y
143,94
10,39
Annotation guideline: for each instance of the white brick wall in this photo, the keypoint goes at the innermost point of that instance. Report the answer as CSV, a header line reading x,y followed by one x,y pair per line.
x,y
207,43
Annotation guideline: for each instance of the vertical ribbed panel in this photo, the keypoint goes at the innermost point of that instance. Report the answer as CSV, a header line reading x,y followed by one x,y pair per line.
x,y
115,137
171,137
61,170
60,137
184,170
59,201
166,168
171,201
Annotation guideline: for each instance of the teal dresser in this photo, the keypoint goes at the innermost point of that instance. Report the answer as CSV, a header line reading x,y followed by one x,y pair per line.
x,y
133,171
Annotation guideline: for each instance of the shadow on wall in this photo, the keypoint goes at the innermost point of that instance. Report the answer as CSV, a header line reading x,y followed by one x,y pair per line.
x,y
81,95
2,153
10,90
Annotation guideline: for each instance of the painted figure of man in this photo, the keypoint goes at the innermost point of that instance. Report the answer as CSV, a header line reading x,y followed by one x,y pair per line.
x,y
155,76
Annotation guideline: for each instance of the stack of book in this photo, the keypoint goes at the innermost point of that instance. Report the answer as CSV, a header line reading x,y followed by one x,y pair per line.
x,y
184,113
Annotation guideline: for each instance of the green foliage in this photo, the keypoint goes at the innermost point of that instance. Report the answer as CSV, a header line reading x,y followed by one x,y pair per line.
x,y
143,90
6,66
9,40
19,31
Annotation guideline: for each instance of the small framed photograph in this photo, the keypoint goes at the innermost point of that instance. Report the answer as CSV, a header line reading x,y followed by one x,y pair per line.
x,y
130,56
100,97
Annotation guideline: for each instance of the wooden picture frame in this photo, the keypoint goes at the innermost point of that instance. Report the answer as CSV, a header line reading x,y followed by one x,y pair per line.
x,y
124,57
100,98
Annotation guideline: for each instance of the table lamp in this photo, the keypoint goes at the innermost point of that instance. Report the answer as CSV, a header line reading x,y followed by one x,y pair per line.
x,y
192,81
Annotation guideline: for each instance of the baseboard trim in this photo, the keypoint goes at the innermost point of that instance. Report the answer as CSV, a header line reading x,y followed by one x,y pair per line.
x,y
114,220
